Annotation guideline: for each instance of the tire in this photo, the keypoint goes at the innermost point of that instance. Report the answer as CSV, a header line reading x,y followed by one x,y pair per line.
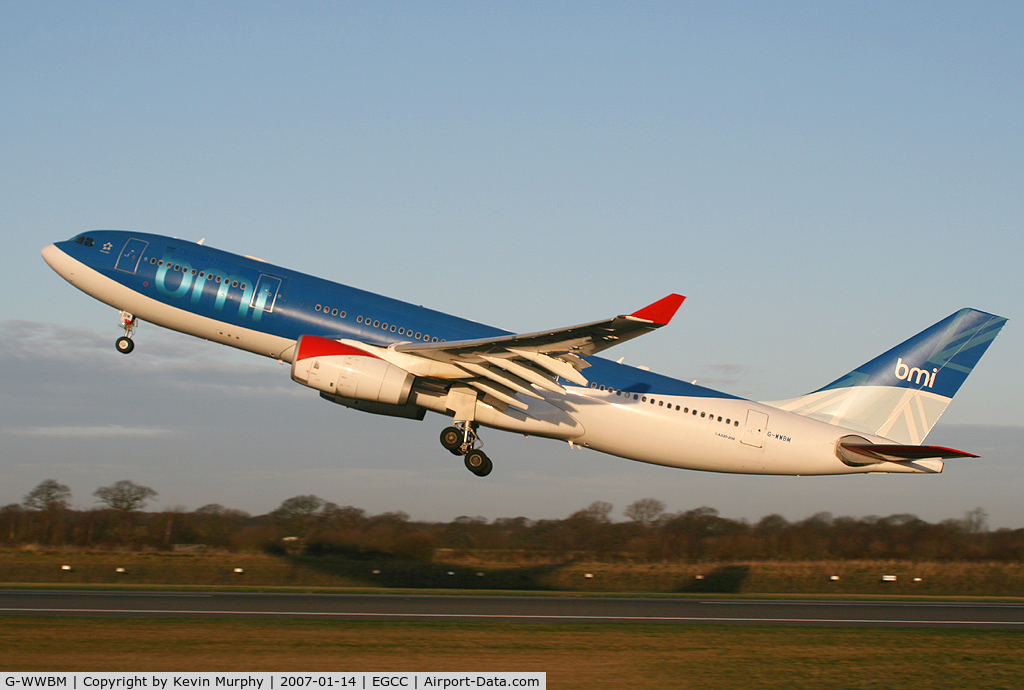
x,y
124,345
451,438
478,463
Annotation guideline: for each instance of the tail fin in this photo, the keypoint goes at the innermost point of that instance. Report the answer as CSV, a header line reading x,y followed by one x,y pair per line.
x,y
901,394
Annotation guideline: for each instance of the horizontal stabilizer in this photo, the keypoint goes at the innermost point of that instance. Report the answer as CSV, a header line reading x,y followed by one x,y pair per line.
x,y
899,453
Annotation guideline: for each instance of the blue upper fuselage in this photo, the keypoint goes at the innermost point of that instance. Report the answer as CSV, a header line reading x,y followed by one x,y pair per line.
x,y
252,294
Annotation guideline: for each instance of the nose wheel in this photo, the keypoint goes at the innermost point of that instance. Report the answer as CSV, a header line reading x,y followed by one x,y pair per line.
x,y
125,344
461,439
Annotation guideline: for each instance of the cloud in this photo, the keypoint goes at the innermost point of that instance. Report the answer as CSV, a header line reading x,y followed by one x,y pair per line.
x,y
109,431
724,375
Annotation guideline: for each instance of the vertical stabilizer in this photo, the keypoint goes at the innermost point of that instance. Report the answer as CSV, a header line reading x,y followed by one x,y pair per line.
x,y
901,394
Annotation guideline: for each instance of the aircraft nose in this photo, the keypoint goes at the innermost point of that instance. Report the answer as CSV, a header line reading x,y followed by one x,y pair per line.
x,y
51,254
59,261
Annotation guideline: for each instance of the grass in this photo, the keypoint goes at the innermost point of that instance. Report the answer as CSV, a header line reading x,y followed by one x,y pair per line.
x,y
469,573
574,655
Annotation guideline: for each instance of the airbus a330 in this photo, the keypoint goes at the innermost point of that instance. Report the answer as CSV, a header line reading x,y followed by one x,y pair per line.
x,y
383,356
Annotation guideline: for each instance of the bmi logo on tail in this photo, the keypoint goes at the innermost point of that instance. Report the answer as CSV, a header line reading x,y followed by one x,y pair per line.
x,y
905,373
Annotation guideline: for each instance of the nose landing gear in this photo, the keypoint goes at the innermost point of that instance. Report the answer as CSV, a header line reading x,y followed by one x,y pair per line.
x,y
460,440
125,344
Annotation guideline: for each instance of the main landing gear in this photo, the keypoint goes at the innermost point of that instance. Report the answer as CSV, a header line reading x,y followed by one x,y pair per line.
x,y
460,440
125,344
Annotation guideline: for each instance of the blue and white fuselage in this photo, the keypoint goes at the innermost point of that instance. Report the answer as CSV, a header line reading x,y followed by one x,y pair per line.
x,y
385,356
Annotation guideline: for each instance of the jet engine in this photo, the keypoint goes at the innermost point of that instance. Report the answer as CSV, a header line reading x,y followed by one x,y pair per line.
x,y
349,372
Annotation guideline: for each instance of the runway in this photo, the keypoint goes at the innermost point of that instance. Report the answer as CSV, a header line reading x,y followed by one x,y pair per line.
x,y
381,607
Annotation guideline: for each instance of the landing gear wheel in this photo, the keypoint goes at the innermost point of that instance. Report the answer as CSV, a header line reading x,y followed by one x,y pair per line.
x,y
128,322
478,463
452,438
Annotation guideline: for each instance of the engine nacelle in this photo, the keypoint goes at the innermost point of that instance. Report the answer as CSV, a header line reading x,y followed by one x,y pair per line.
x,y
342,370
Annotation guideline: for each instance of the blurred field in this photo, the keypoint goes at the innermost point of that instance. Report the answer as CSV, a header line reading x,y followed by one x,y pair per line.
x,y
487,570
573,655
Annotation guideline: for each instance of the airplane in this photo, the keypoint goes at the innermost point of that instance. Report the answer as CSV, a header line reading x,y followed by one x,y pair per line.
x,y
383,356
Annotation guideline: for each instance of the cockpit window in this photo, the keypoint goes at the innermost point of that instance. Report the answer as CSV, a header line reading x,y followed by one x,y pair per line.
x,y
83,240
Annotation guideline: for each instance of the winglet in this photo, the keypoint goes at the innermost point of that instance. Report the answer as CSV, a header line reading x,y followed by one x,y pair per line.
x,y
662,311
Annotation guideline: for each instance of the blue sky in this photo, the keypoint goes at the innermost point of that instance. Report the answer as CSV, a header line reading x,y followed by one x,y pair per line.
x,y
821,181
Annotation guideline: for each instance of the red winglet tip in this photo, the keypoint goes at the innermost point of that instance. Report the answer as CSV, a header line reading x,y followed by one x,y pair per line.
x,y
662,311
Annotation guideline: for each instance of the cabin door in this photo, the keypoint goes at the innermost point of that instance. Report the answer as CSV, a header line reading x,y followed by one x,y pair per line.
x,y
130,255
757,425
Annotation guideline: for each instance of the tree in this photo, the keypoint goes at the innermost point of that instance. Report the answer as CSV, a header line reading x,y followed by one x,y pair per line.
x,y
976,520
303,513
124,496
770,524
51,499
645,511
50,495
598,511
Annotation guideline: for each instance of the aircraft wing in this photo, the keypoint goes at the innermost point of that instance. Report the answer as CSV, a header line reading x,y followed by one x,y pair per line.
x,y
510,364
